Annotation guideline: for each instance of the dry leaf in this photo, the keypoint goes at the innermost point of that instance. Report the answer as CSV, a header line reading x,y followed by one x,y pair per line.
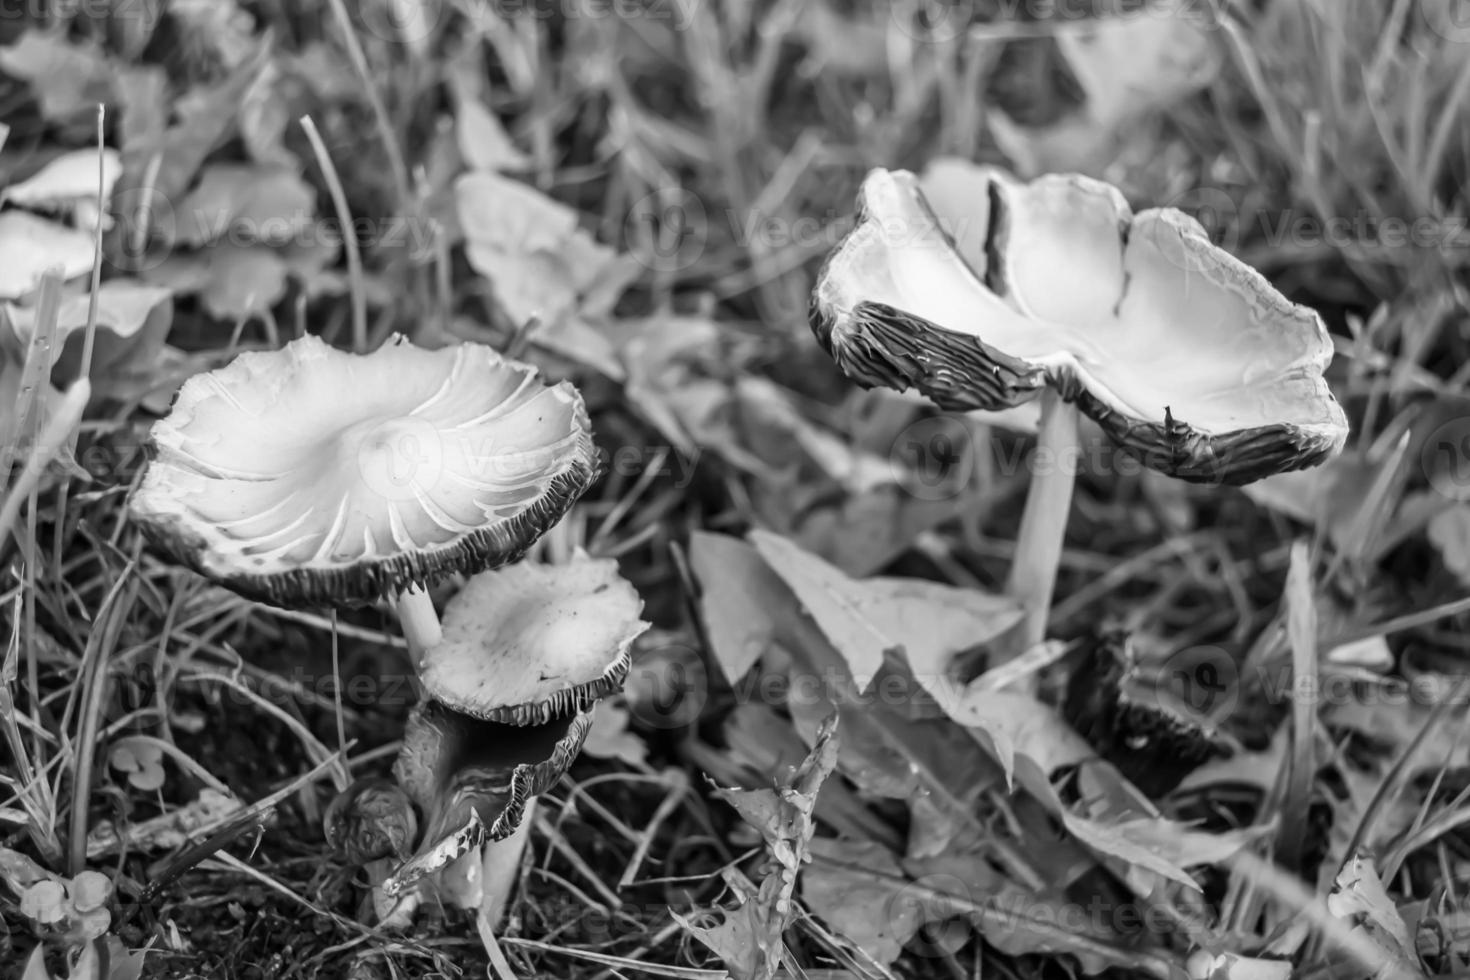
x,y
246,204
1359,898
862,900
1449,531
610,737
31,246
738,623
68,179
749,938
867,619
67,78
1128,68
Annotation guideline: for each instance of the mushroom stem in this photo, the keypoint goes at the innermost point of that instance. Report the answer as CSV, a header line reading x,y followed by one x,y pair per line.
x,y
419,621
1033,574
500,866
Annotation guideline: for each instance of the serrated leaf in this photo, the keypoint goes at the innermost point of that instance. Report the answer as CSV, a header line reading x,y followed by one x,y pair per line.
x,y
749,938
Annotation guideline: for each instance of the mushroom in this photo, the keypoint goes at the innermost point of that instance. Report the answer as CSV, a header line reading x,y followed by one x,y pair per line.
x,y
527,651
993,293
310,476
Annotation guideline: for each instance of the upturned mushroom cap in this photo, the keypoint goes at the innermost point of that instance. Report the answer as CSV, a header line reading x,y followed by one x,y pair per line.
x,y
473,779
1186,357
308,475
527,643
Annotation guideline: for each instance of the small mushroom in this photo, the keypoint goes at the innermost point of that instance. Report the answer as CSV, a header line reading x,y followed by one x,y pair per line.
x,y
527,650
529,643
311,476
991,294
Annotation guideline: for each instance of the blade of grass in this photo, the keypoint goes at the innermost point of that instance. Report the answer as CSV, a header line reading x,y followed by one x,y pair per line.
x,y
94,685
349,238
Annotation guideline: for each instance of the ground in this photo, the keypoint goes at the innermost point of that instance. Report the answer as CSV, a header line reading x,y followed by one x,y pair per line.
x,y
1241,741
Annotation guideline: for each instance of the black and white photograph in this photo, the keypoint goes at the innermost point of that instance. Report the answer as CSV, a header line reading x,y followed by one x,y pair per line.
x,y
734,489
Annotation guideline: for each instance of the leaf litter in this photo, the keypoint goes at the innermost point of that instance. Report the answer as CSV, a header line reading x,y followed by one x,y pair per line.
x,y
951,822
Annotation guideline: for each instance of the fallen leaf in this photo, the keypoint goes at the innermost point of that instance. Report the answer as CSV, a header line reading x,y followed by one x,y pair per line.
x,y
483,141
854,885
19,871
246,203
1128,68
1449,531
125,964
1359,899
610,738
232,281
168,139
133,320
68,78
541,264
31,246
738,623
67,179
865,620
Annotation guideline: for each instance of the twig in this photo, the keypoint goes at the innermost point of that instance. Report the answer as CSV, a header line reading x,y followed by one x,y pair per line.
x,y
671,800
676,972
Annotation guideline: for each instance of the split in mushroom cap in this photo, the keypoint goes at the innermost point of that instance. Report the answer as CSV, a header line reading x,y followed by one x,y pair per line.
x,y
526,643
308,475
474,780
1184,355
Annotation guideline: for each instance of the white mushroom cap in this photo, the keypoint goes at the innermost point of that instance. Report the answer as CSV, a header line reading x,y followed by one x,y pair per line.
x,y
1185,356
308,475
528,642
